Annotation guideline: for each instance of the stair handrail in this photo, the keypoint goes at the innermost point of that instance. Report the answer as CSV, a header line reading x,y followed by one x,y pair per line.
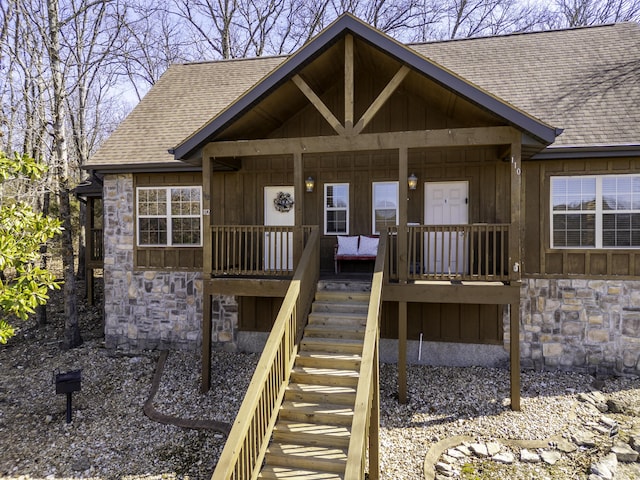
x,y
244,451
366,413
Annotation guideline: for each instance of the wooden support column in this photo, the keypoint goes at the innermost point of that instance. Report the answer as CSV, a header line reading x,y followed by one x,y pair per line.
x,y
207,252
402,352
514,352
348,84
298,207
515,263
515,240
403,199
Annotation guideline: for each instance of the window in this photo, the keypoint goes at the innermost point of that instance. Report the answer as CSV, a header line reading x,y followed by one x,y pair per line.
x,y
385,205
169,216
336,209
600,211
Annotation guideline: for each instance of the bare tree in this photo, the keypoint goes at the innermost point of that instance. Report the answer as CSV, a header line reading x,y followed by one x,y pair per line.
x,y
578,13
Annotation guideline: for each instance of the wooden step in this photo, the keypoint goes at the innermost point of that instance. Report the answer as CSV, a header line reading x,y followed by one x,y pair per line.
x,y
325,376
342,296
350,361
335,331
320,413
319,306
330,345
355,320
312,457
270,472
304,392
312,434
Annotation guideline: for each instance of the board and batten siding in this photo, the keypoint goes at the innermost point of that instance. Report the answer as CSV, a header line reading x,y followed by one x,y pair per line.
x,y
542,261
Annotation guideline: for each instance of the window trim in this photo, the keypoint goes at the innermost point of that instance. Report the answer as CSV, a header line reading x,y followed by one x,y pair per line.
x,y
336,209
598,212
168,216
396,184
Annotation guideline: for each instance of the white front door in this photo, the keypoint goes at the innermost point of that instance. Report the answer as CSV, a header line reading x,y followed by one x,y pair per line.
x,y
446,203
278,246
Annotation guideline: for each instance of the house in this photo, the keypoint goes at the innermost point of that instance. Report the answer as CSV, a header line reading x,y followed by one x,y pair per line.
x,y
525,150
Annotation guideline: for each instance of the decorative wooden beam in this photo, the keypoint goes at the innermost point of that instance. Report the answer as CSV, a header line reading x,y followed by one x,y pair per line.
x,y
452,137
403,197
317,102
249,287
386,93
349,102
432,292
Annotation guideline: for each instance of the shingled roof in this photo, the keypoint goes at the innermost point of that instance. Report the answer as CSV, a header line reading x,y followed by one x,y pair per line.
x,y
585,81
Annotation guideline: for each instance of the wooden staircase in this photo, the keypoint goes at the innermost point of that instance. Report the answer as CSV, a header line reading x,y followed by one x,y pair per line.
x,y
311,437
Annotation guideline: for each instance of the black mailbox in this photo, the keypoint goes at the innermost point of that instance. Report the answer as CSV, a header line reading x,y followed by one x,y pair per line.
x,y
69,381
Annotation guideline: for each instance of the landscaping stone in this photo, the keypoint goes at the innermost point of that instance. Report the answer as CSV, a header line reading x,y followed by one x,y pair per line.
x,y
528,456
624,453
505,457
550,457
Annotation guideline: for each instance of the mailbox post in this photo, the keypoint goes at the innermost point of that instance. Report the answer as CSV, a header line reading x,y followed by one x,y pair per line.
x,y
68,383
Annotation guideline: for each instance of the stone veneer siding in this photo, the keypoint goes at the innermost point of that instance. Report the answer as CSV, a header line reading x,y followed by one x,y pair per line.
x,y
582,325
151,309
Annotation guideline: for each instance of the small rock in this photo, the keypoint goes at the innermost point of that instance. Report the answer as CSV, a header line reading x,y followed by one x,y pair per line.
x,y
528,456
505,457
447,459
455,453
493,448
479,450
48,419
81,464
566,447
634,440
606,468
616,406
583,438
444,468
624,453
609,422
550,457
464,450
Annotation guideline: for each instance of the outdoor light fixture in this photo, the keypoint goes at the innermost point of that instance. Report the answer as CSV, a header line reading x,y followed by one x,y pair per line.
x,y
412,181
309,183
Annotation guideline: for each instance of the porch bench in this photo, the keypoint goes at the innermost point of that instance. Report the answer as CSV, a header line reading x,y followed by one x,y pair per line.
x,y
355,248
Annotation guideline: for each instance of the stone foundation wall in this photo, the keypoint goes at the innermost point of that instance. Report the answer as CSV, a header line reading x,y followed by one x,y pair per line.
x,y
151,309
582,325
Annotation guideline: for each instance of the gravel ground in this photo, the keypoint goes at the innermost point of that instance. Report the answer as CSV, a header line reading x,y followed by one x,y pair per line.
x,y
110,438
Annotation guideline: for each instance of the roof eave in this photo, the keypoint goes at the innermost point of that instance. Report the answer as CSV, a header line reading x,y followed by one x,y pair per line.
x,y
588,151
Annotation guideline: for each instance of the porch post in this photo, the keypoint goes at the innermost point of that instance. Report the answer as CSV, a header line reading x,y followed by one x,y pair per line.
x,y
514,353
298,207
403,270
374,428
515,263
403,199
207,252
402,352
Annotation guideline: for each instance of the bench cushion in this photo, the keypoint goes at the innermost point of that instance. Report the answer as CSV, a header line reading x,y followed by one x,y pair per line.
x,y
347,245
368,246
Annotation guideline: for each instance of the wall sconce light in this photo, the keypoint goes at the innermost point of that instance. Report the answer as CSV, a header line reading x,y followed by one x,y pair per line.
x,y
412,181
309,183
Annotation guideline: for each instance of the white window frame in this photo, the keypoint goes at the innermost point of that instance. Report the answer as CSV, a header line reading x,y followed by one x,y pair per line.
x,y
336,209
373,203
168,216
598,212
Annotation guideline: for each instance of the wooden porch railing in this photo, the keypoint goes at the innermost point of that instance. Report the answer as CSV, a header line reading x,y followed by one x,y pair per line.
x,y
477,252
366,415
248,250
245,448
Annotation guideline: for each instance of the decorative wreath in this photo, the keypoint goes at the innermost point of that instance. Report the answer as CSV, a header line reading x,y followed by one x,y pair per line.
x,y
283,202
